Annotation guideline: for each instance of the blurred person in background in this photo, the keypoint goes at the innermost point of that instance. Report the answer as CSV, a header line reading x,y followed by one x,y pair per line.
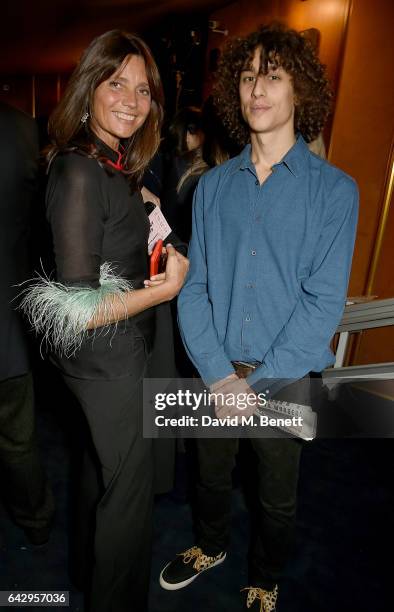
x,y
197,142
182,149
24,484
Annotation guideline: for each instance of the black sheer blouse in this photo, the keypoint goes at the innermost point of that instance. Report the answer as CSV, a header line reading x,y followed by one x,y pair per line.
x,y
97,218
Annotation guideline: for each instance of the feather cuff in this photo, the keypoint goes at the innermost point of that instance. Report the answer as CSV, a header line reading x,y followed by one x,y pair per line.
x,y
62,313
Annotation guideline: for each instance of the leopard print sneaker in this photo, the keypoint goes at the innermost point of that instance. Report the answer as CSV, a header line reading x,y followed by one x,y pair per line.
x,y
186,567
261,600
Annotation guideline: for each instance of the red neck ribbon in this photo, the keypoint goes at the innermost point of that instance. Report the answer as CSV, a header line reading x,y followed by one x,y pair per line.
x,y
118,164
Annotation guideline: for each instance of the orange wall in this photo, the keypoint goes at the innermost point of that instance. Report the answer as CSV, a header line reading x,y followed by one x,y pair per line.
x,y
329,17
377,345
363,126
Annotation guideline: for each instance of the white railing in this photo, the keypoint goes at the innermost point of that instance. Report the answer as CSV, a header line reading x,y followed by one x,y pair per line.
x,y
377,313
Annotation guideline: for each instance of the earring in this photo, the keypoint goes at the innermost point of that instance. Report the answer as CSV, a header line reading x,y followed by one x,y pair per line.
x,y
84,117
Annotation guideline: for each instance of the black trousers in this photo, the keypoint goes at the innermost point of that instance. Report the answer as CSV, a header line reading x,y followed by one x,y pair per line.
x,y
122,541
276,489
27,493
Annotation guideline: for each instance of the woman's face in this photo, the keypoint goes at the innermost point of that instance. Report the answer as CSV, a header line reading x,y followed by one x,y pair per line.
x,y
193,141
121,103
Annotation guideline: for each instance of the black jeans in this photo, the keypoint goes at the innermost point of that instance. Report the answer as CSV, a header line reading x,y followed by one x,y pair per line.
x,y
27,493
122,541
276,489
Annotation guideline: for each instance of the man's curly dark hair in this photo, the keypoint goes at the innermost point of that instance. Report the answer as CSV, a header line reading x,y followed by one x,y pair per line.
x,y
279,47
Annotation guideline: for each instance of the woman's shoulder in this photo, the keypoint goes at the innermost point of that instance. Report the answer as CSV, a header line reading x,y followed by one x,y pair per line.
x,y
73,161
72,174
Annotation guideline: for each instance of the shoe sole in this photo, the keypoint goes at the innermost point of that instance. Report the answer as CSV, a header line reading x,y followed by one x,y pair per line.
x,y
169,586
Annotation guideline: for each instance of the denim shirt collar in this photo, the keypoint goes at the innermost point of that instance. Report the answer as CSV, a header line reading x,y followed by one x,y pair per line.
x,y
295,159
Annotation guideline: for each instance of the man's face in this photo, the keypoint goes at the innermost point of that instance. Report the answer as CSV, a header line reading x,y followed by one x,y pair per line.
x,y
267,100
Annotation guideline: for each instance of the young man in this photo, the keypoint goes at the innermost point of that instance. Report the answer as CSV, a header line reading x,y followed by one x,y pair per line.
x,y
273,235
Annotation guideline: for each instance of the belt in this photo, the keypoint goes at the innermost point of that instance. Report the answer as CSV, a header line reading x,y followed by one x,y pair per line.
x,y
243,369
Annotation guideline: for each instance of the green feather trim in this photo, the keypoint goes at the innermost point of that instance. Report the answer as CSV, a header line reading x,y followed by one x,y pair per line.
x,y
61,313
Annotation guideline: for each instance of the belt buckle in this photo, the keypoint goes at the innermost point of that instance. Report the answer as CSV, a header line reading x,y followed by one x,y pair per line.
x,y
243,369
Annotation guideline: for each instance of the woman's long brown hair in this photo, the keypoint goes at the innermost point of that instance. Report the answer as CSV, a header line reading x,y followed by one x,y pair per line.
x,y
100,60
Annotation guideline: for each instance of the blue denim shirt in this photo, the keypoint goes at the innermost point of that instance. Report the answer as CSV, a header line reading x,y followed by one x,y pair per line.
x,y
269,266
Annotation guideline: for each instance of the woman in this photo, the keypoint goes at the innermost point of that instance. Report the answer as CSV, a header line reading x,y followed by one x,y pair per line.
x,y
200,143
99,316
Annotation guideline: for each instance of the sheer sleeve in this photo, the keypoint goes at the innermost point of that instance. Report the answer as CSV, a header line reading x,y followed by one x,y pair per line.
x,y
76,213
62,309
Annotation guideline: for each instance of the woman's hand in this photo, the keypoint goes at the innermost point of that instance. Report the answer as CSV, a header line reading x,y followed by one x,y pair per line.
x,y
157,279
174,276
148,196
177,267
